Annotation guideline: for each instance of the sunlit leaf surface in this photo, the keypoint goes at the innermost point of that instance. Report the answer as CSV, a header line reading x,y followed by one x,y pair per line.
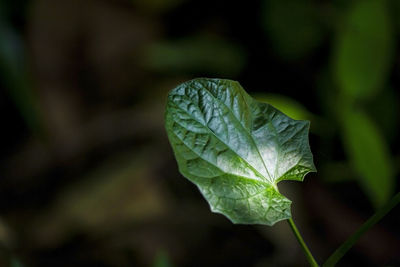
x,y
236,149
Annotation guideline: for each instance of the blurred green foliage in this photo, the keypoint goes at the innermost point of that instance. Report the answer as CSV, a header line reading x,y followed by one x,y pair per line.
x,y
369,155
210,55
364,49
287,105
14,74
363,56
102,188
162,260
294,27
16,263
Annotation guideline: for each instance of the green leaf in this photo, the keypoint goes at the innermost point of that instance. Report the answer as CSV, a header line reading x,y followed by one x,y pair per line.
x,y
364,49
369,155
236,149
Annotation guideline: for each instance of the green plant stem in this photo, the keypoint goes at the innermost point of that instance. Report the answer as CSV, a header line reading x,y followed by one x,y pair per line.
x,y
303,245
339,253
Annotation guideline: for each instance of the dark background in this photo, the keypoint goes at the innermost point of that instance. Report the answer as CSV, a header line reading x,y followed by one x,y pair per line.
x,y
87,177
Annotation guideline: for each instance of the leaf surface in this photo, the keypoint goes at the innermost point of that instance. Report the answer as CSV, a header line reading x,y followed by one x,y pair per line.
x,y
236,149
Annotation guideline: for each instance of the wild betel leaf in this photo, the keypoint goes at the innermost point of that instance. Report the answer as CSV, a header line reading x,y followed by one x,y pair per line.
x,y
236,149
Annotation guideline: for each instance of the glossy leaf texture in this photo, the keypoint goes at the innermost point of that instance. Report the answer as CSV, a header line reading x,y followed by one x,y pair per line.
x,y
236,149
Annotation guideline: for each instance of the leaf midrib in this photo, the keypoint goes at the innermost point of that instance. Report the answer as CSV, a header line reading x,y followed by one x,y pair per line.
x,y
211,132
234,174
244,128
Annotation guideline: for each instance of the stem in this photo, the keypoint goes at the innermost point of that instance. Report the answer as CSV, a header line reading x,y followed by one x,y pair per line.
x,y
303,245
339,253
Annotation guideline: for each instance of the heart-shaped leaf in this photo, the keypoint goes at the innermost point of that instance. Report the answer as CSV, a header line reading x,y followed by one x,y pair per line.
x,y
236,149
